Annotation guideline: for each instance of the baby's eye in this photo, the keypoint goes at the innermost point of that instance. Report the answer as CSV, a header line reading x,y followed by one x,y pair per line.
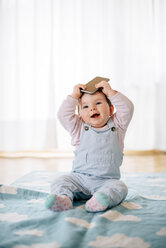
x,y
85,106
98,103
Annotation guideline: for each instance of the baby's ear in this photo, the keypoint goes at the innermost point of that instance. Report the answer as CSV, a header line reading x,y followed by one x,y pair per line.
x,y
111,110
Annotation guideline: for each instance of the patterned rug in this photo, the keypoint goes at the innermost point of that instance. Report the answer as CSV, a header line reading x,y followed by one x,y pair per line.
x,y
138,222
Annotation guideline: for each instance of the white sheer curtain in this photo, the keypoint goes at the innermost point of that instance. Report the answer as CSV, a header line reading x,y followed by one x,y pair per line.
x,y
48,46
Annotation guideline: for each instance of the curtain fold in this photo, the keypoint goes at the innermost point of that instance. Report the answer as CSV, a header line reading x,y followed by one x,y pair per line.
x,y
48,46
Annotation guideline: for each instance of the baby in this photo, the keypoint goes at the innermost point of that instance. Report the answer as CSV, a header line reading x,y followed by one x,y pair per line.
x,y
98,135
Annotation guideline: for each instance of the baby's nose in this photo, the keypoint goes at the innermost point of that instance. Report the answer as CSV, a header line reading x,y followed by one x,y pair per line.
x,y
93,107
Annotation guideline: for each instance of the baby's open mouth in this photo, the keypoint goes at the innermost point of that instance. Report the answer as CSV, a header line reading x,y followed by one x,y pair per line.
x,y
95,115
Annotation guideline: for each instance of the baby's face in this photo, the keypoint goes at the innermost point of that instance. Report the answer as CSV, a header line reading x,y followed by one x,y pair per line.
x,y
95,109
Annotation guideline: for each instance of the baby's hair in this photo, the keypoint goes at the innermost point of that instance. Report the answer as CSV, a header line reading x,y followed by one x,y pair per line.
x,y
109,102
99,90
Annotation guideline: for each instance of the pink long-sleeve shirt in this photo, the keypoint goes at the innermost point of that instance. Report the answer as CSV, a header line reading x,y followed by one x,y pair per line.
x,y
73,123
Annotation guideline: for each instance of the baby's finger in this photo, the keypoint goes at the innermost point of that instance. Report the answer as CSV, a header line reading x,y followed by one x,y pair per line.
x,y
82,86
101,84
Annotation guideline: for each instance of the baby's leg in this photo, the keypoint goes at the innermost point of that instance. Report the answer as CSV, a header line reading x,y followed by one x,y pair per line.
x,y
110,194
62,190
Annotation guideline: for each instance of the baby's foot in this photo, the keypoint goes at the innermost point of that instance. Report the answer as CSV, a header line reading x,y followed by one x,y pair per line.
x,y
98,202
58,203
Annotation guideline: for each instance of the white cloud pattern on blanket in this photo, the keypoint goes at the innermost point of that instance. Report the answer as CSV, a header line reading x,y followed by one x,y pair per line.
x,y
12,217
119,240
154,197
131,205
2,205
80,222
162,232
8,190
117,216
33,232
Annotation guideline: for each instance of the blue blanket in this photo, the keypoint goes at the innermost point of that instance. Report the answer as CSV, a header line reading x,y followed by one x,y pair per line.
x,y
138,222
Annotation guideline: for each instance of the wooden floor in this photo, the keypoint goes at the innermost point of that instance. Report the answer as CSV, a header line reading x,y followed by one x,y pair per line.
x,y
13,168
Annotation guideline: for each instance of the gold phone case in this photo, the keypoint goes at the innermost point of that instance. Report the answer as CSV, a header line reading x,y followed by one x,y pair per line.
x,y
90,86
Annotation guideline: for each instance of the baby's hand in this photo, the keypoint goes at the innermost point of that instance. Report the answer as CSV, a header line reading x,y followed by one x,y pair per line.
x,y
106,88
76,91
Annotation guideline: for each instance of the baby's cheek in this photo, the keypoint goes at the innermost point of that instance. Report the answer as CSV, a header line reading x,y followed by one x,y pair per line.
x,y
84,117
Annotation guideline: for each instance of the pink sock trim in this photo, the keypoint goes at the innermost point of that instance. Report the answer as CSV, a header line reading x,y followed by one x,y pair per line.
x,y
61,203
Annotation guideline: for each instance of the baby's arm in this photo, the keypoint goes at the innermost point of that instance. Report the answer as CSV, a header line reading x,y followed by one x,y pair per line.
x,y
124,111
106,88
124,107
67,117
